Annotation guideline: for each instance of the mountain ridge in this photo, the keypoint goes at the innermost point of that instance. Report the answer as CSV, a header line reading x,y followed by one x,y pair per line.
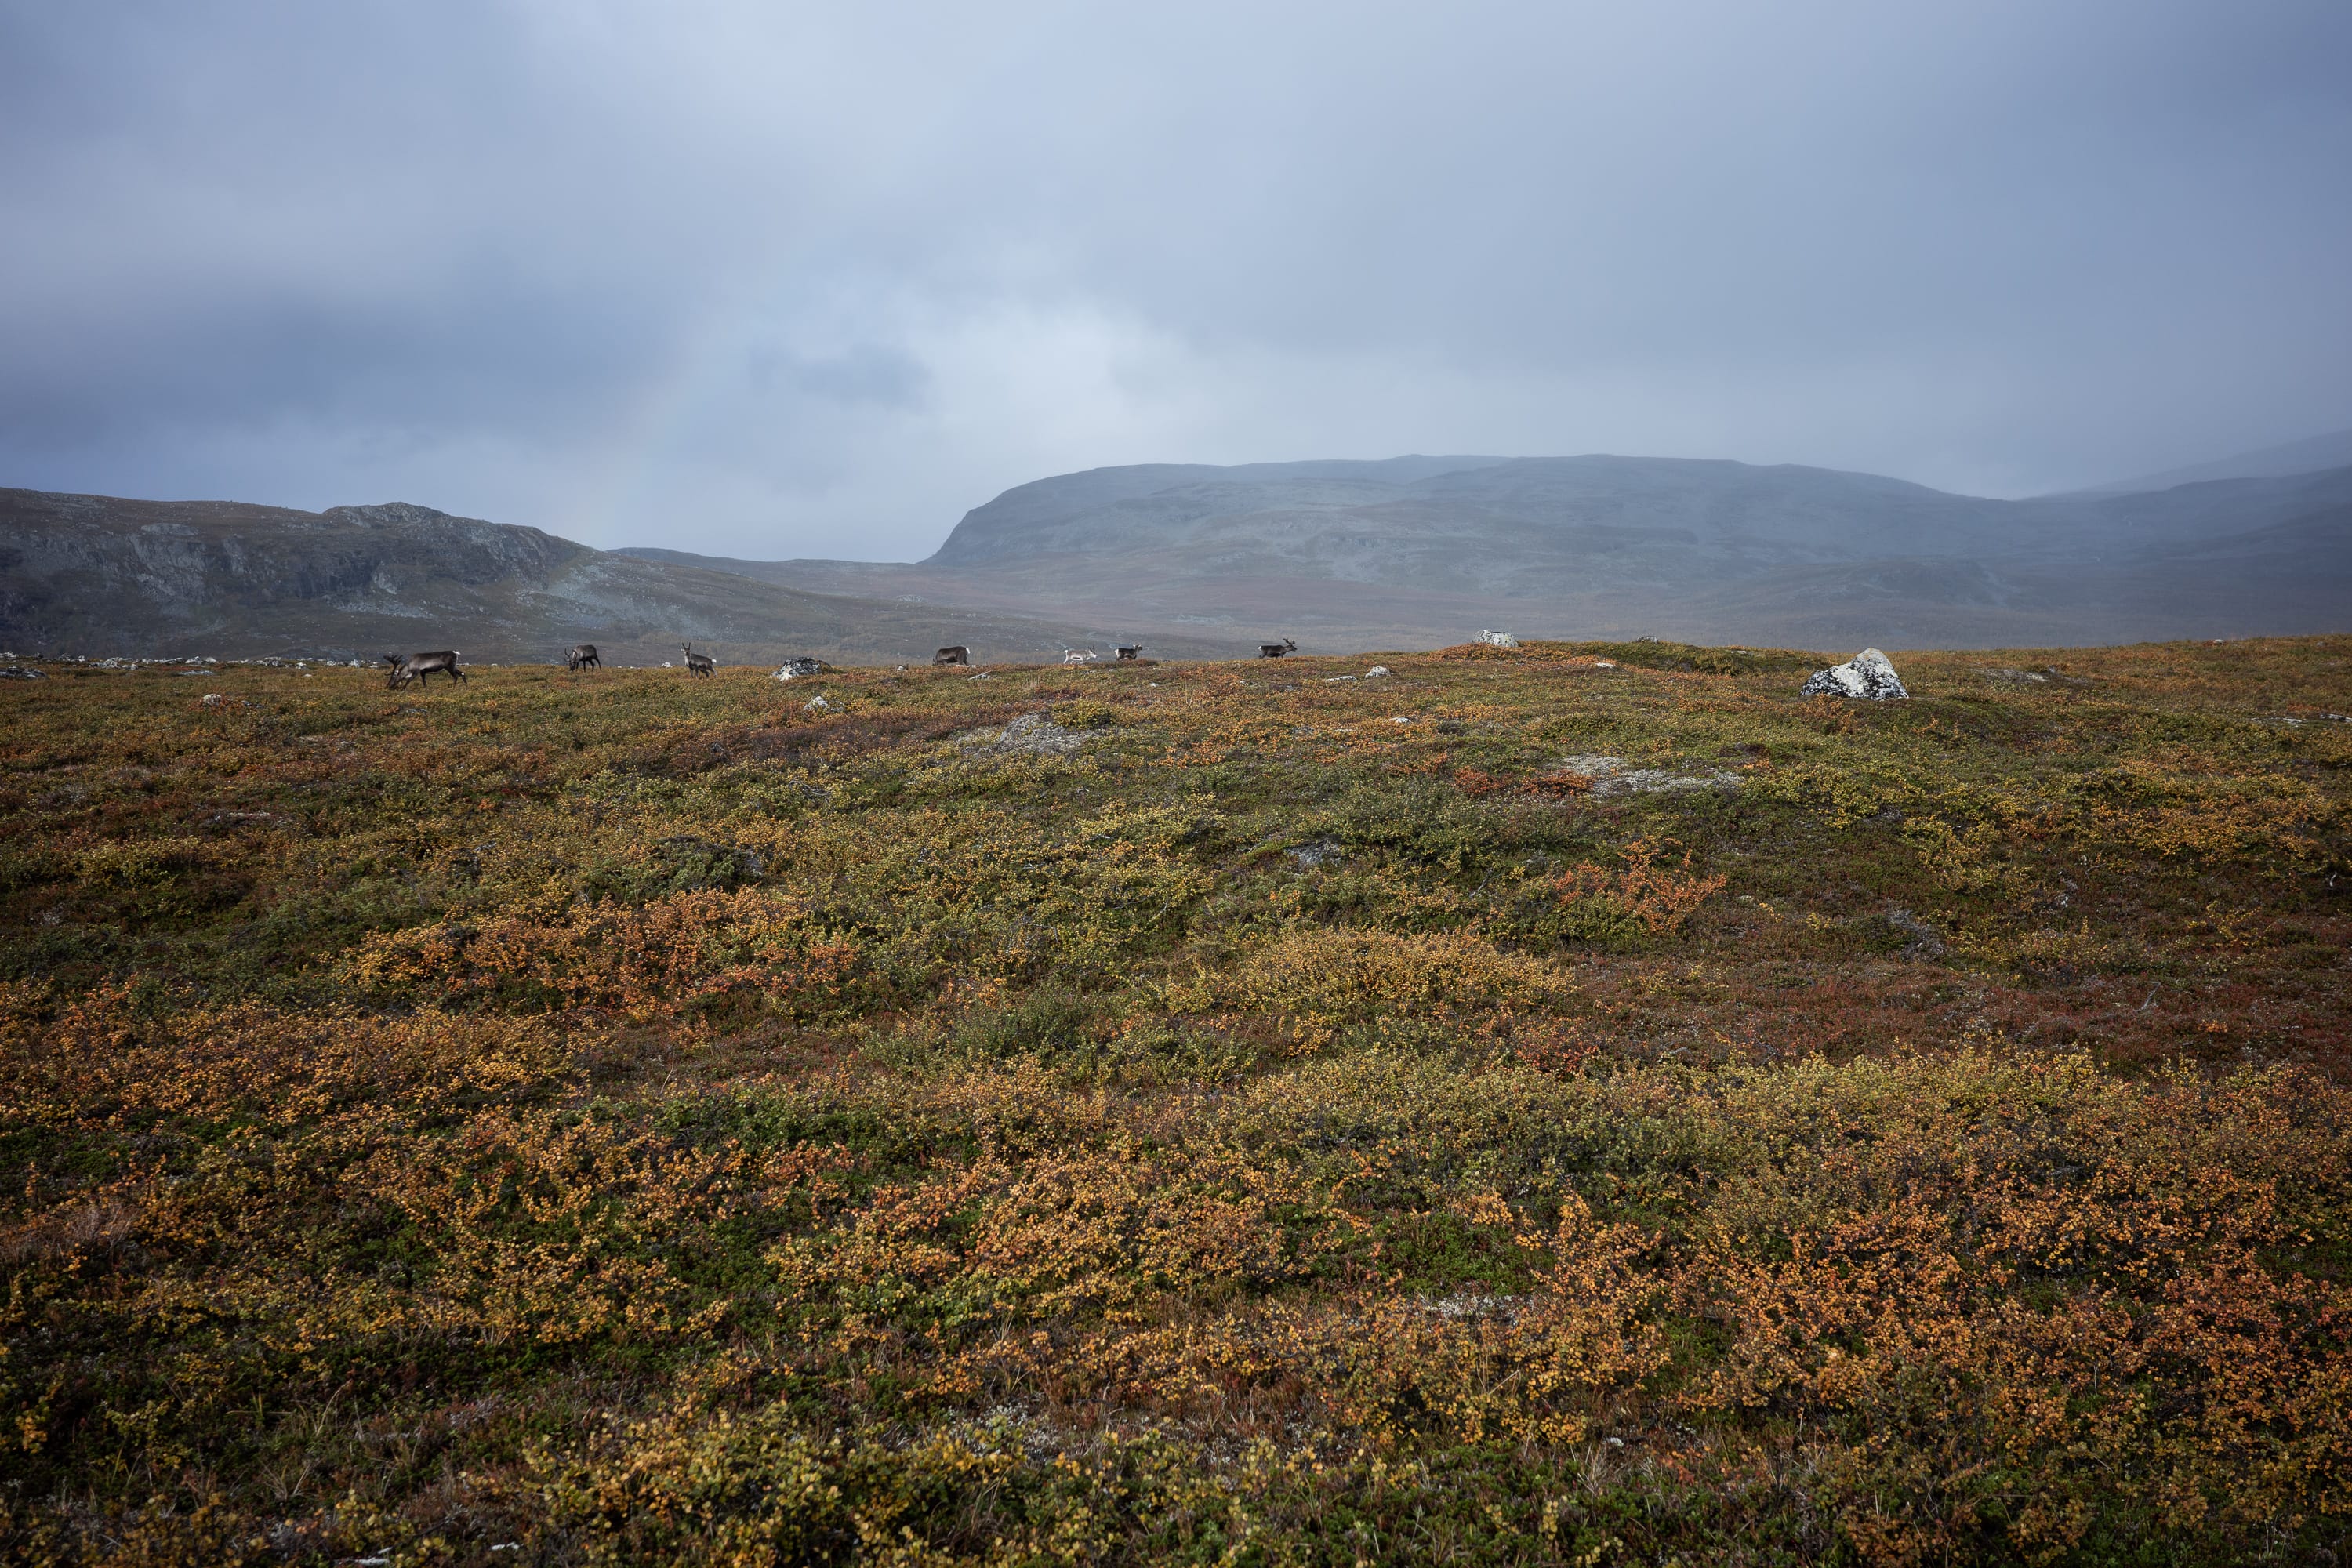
x,y
1198,561
1700,549
103,575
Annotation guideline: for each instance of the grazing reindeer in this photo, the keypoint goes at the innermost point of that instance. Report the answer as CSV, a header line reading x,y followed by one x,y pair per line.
x,y
1072,656
583,656
698,663
417,666
1276,649
956,654
1128,651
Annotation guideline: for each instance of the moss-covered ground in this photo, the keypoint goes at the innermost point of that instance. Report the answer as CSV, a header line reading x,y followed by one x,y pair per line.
x,y
1580,1104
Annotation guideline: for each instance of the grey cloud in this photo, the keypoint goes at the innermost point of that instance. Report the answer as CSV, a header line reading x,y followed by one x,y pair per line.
x,y
821,277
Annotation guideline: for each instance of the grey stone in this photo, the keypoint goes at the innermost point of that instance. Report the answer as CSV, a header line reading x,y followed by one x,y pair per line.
x,y
1867,676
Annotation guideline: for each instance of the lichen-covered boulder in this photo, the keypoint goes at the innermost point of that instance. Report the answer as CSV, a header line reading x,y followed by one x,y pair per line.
x,y
1866,675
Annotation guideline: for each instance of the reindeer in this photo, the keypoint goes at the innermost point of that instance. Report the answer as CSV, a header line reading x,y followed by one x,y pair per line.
x,y
1276,649
417,666
1072,656
698,663
583,656
956,654
1128,651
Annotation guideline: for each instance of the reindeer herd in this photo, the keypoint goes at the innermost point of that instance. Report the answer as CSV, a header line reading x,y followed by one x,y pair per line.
x,y
402,668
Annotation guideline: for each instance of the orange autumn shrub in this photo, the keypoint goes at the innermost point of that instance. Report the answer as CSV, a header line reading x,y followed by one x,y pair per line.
x,y
1644,889
640,959
1314,979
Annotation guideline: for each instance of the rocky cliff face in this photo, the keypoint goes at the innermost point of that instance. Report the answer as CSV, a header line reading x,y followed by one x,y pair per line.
x,y
205,567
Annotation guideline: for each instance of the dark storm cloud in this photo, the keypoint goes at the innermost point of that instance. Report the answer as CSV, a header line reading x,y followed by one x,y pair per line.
x,y
812,281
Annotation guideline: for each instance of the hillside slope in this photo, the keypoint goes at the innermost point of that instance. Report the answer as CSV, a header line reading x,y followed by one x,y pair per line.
x,y
99,576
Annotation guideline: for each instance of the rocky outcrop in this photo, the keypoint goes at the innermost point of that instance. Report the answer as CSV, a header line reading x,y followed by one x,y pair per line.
x,y
1867,676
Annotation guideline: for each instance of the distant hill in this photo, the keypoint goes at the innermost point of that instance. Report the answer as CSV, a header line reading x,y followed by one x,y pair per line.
x,y
1425,551
1196,561
98,575
2309,456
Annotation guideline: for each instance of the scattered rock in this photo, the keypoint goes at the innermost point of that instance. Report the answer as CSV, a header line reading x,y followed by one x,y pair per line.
x,y
2014,676
1321,852
1032,734
20,672
1866,676
799,669
1609,775
1498,639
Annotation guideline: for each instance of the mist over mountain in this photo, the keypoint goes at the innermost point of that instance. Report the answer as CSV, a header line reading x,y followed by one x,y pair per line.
x,y
2330,451
1429,550
1199,560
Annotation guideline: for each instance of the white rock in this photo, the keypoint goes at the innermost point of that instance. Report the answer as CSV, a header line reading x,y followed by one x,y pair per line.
x,y
1609,775
1866,676
1376,669
1498,639
816,704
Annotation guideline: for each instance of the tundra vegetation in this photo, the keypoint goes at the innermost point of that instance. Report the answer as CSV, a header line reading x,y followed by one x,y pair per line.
x,y
1287,1120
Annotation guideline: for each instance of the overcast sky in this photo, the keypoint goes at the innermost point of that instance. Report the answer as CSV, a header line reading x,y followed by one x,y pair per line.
x,y
770,279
